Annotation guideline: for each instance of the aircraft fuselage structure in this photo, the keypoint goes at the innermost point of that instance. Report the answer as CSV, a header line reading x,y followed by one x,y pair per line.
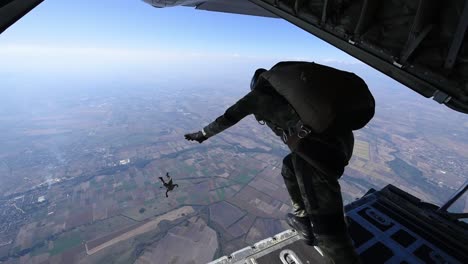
x,y
419,43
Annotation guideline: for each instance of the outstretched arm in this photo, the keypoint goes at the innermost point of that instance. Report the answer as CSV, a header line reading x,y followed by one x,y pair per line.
x,y
245,106
242,108
162,180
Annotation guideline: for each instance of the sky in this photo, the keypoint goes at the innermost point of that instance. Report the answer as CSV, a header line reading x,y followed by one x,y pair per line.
x,y
133,39
135,25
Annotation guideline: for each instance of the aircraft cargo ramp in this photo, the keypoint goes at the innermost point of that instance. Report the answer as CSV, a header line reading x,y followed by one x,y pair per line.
x,y
387,226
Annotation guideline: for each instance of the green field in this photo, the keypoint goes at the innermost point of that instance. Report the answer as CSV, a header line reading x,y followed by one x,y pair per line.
x,y
64,243
221,193
134,212
40,250
406,171
361,149
182,199
137,139
189,170
243,178
129,185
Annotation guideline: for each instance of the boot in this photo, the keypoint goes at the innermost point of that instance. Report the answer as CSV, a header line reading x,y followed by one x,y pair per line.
x,y
303,226
338,249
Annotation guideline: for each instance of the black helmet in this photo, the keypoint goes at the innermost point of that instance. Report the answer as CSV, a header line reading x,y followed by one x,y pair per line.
x,y
254,80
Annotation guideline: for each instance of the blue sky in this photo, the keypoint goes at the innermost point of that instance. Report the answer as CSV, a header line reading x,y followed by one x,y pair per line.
x,y
131,38
132,24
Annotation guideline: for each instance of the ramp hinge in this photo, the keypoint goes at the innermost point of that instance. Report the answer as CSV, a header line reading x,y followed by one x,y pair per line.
x,y
441,97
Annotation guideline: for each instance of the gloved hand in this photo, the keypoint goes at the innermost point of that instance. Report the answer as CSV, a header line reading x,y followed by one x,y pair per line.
x,y
198,136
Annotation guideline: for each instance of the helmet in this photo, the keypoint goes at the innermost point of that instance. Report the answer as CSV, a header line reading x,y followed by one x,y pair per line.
x,y
254,80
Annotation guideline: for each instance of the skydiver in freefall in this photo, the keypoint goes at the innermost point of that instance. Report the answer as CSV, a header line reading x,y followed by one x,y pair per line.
x,y
318,155
169,185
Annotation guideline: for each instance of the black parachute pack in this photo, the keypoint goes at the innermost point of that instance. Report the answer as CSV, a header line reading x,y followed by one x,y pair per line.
x,y
323,97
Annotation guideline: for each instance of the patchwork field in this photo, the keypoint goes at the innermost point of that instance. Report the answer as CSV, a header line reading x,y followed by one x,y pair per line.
x,y
361,149
173,215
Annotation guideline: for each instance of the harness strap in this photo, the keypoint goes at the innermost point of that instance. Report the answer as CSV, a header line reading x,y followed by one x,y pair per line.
x,y
292,136
313,150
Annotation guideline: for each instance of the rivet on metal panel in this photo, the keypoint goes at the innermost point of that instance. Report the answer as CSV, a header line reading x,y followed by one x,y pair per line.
x,y
397,64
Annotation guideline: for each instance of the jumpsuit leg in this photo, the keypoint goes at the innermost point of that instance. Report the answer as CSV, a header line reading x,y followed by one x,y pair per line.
x,y
292,186
321,194
323,202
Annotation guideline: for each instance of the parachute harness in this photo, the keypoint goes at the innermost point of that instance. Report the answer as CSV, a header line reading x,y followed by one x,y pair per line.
x,y
304,131
292,134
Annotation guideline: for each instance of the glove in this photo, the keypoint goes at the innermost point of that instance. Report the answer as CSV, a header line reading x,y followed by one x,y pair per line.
x,y
198,136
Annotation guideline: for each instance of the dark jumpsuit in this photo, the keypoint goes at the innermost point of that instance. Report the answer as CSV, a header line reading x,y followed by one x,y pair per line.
x,y
169,184
313,184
